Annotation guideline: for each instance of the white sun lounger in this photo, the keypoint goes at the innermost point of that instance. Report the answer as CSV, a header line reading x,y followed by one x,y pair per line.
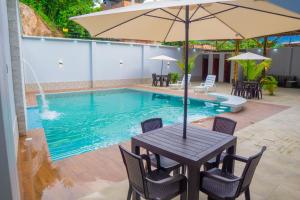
x,y
180,84
209,83
234,102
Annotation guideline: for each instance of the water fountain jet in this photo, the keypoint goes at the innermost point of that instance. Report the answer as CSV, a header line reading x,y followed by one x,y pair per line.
x,y
46,113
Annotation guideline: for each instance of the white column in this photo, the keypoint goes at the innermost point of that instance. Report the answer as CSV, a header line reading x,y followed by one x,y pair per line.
x,y
210,63
17,64
142,63
221,67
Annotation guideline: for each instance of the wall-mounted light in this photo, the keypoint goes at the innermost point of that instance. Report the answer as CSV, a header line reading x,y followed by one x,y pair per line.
x,y
259,50
121,63
194,50
60,64
168,65
42,39
275,50
178,48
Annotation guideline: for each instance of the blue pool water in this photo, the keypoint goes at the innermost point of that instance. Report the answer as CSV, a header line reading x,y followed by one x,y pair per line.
x,y
33,118
97,119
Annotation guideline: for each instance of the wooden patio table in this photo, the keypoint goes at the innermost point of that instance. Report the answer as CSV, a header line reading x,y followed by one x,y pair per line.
x,y
162,79
200,146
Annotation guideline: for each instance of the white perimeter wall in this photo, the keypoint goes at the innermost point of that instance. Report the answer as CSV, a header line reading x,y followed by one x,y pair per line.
x,y
86,60
107,58
285,61
43,55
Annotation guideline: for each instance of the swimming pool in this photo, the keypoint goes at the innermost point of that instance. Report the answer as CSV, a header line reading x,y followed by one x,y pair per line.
x,y
96,119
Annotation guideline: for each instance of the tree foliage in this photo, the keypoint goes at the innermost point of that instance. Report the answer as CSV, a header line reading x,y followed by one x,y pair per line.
x,y
58,12
191,63
253,70
269,83
174,77
229,45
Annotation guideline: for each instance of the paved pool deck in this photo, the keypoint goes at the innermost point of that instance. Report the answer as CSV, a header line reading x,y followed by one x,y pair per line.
x,y
273,121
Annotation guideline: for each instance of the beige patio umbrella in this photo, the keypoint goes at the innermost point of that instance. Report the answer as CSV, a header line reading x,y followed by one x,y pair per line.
x,y
162,58
184,20
248,56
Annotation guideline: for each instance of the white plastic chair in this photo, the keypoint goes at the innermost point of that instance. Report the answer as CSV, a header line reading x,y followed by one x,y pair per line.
x,y
180,84
209,83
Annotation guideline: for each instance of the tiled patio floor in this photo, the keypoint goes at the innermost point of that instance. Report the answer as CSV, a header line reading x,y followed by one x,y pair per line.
x,y
273,121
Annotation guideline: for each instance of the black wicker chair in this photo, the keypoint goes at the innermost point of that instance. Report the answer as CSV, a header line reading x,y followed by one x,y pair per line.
x,y
156,184
233,84
239,89
223,125
154,80
168,80
258,91
159,161
221,185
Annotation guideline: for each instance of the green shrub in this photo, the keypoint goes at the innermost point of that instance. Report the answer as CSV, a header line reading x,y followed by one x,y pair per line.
x,y
191,63
175,76
251,70
269,83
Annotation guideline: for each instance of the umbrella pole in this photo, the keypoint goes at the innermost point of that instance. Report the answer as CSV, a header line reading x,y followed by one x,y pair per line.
x,y
236,65
161,68
187,24
265,53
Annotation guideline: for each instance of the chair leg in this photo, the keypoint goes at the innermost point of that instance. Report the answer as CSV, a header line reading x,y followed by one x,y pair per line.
x,y
183,196
260,92
129,193
183,169
247,194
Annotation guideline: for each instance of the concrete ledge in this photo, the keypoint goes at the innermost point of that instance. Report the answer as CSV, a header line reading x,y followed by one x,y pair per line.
x,y
234,102
53,86
59,86
119,82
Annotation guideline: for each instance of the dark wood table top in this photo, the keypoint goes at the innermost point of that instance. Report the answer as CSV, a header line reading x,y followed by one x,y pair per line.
x,y
250,82
164,75
199,146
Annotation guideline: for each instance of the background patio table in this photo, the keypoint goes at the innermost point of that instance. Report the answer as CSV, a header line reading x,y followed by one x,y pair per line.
x,y
251,89
200,146
162,79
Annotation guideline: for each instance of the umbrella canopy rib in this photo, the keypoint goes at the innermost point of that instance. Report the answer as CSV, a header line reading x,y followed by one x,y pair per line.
x,y
259,10
212,15
172,24
192,15
163,18
223,22
125,22
182,20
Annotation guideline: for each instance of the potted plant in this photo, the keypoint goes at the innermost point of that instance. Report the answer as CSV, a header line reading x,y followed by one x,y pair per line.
x,y
269,83
251,70
175,76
